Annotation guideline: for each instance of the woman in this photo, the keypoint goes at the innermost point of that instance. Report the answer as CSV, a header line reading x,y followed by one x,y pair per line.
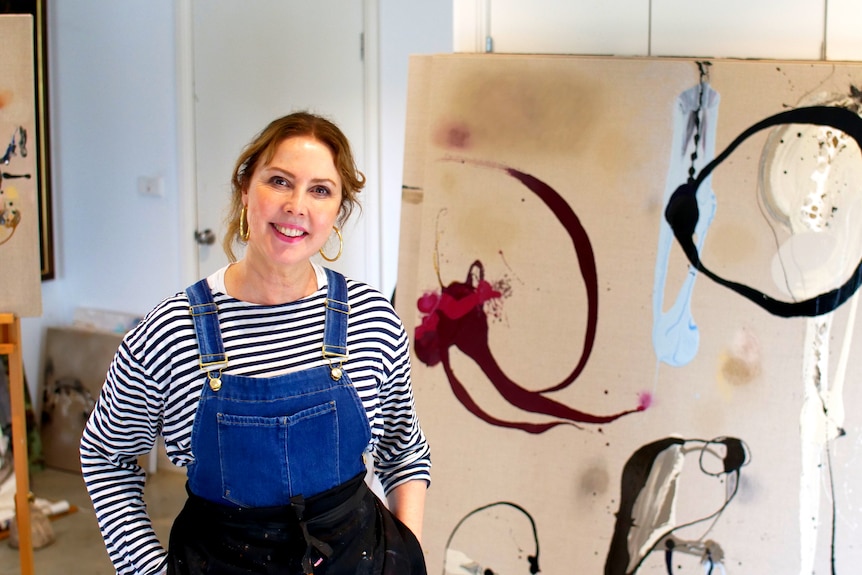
x,y
270,381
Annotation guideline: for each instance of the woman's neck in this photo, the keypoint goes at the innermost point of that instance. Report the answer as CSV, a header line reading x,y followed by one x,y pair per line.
x,y
267,285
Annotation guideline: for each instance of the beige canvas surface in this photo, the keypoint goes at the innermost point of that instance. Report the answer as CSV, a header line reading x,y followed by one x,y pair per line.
x,y
736,423
76,361
20,269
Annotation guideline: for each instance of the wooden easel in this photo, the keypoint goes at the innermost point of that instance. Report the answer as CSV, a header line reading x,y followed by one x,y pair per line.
x,y
10,344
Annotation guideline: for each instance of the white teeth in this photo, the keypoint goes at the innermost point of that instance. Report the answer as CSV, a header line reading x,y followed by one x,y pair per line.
x,y
293,233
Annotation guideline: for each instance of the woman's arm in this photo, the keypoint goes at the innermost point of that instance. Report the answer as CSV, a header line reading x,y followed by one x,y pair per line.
x,y
402,457
124,425
407,503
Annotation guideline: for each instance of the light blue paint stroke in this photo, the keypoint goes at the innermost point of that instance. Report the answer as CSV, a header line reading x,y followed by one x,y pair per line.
x,y
675,335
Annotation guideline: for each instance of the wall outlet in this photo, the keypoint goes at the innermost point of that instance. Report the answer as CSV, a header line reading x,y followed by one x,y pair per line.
x,y
151,186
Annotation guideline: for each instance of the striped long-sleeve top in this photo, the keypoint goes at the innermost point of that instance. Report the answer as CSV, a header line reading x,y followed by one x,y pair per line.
x,y
154,383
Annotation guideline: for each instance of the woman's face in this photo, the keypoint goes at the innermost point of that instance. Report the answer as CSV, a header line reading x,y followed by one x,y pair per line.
x,y
293,202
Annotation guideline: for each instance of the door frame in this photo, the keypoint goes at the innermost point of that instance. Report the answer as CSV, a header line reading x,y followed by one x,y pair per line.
x,y
186,174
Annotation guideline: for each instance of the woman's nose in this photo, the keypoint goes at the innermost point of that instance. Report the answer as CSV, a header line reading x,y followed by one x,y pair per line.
x,y
295,201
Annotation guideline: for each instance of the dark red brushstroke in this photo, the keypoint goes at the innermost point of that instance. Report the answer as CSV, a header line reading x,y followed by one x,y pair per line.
x,y
456,317
586,262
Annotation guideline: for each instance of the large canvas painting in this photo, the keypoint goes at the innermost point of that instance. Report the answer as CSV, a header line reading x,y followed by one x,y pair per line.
x,y
20,267
631,288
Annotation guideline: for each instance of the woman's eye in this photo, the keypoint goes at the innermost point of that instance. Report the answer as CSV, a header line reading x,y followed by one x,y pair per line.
x,y
278,182
321,191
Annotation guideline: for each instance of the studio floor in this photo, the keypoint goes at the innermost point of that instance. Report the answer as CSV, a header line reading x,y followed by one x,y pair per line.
x,y
78,548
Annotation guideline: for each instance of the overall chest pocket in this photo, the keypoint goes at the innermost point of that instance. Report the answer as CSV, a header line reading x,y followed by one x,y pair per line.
x,y
265,460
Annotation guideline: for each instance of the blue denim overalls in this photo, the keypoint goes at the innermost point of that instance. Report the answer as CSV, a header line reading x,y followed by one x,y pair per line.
x,y
277,483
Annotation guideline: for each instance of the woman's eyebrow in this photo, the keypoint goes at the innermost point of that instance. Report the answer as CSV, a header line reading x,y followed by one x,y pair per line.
x,y
286,172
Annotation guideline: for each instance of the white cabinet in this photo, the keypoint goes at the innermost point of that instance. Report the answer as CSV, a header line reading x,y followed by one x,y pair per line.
x,y
768,29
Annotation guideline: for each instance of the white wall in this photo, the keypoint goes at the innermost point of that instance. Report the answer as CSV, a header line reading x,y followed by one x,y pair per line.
x,y
406,27
114,117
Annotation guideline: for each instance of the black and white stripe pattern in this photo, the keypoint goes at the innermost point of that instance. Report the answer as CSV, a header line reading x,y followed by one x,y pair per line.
x,y
154,383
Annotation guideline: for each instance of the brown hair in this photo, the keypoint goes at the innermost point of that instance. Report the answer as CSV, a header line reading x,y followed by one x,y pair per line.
x,y
262,149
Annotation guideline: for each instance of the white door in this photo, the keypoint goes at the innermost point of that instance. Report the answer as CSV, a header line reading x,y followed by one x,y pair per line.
x,y
256,60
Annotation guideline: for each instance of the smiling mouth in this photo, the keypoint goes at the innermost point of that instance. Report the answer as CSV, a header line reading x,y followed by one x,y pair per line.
x,y
289,232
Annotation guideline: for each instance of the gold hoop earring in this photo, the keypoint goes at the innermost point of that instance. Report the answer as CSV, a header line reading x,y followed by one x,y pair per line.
x,y
340,247
243,224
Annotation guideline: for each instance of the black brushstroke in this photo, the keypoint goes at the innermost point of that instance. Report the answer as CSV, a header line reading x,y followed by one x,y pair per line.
x,y
834,508
682,214
634,478
668,555
532,560
694,116
635,475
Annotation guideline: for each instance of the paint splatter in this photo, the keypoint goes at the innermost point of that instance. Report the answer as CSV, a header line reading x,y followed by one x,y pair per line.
x,y
456,316
453,136
594,481
809,183
10,215
742,363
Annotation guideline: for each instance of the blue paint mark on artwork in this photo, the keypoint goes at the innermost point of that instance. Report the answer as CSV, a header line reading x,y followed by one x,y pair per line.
x,y
675,334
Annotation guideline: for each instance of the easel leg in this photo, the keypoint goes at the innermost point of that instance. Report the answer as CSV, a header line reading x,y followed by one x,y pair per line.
x,y
10,343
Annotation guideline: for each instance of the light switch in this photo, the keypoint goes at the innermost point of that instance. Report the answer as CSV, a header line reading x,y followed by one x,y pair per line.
x,y
151,186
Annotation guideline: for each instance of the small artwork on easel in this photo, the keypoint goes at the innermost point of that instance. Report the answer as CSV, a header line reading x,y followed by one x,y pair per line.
x,y
20,273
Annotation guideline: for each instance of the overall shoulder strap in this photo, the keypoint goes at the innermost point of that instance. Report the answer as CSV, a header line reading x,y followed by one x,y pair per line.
x,y
204,313
337,311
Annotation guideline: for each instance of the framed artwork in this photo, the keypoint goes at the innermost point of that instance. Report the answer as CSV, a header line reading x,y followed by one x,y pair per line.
x,y
20,273
37,9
